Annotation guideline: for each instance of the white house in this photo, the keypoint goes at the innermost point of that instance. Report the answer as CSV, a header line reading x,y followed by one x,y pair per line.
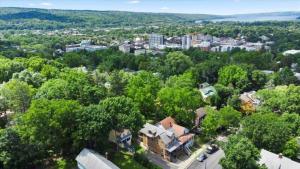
x,y
89,159
207,91
277,161
122,138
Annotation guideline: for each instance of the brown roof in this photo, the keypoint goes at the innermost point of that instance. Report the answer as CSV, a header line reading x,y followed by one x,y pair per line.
x,y
178,130
170,124
200,112
186,138
167,122
245,98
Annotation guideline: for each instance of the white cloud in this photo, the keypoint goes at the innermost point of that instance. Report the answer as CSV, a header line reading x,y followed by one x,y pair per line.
x,y
134,1
46,4
31,4
165,8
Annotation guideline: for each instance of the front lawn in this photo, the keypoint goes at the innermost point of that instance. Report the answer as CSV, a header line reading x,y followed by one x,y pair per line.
x,y
125,161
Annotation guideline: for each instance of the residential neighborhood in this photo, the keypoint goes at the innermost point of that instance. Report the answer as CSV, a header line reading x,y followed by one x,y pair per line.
x,y
140,84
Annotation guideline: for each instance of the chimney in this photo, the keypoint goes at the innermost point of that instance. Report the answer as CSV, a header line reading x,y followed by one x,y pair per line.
x,y
280,155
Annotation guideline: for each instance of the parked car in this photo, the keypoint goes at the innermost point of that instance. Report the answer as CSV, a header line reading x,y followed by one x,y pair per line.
x,y
202,157
212,148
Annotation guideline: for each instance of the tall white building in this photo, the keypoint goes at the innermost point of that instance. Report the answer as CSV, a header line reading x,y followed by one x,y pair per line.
x,y
186,42
155,40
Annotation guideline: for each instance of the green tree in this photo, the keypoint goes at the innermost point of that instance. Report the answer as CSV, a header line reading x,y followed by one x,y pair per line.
x,y
240,154
258,79
211,123
18,95
291,149
293,120
35,63
285,77
293,99
49,72
267,131
215,120
80,87
118,81
179,103
54,89
234,101
16,153
93,127
8,68
230,117
143,89
177,63
32,78
72,85
234,75
124,113
184,80
281,99
51,123
223,94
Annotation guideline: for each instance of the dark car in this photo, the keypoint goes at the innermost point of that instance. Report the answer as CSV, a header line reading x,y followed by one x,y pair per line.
x,y
202,157
212,148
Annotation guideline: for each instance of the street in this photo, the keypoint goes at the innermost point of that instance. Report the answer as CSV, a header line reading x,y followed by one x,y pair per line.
x,y
212,162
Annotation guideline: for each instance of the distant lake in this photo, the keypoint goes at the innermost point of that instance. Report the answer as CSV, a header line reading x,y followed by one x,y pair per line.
x,y
249,18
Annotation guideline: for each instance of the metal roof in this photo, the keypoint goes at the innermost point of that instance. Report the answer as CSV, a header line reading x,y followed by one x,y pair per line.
x,y
151,130
272,161
92,160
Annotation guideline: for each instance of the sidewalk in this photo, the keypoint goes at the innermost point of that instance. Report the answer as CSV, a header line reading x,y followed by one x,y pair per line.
x,y
192,158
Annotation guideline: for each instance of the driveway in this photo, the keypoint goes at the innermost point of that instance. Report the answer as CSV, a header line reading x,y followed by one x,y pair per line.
x,y
182,162
212,162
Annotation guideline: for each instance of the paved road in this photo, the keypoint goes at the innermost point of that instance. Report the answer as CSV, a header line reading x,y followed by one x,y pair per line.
x,y
212,162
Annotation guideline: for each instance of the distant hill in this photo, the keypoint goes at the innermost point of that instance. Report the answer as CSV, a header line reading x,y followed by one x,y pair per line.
x,y
27,18
32,15
49,19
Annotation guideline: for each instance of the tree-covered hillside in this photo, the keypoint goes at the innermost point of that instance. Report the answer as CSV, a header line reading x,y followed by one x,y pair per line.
x,y
28,18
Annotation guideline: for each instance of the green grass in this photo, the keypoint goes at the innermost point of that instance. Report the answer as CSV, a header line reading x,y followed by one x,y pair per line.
x,y
125,161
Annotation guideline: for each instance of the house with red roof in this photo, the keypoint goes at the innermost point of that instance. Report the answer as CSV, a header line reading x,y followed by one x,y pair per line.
x,y
166,138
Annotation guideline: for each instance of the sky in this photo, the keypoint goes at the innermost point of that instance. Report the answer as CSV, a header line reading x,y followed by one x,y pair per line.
x,y
220,7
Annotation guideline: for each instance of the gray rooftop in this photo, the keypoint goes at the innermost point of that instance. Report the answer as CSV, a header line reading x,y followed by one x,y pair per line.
x,y
207,91
151,130
272,161
92,160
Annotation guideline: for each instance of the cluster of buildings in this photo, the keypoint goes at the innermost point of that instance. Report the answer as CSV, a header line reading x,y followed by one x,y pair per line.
x,y
226,44
156,43
84,45
204,42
